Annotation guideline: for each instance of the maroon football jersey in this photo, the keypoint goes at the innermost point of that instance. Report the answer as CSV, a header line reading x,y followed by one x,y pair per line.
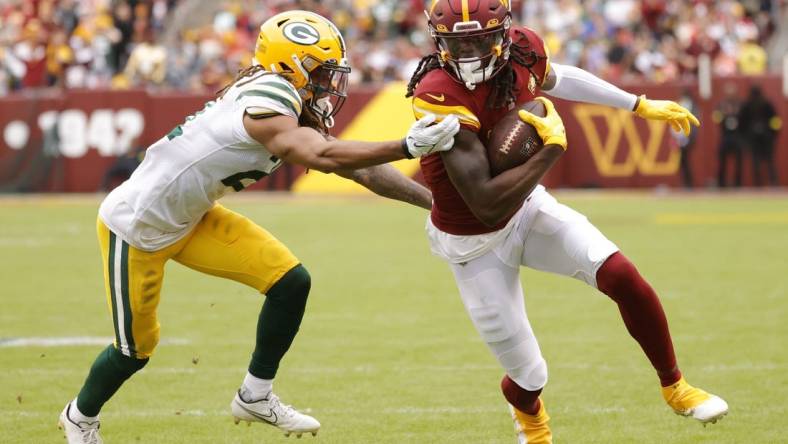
x,y
440,94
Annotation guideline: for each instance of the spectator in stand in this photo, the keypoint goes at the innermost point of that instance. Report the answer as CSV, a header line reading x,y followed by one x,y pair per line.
x,y
620,40
760,125
182,61
147,62
59,56
11,71
666,36
727,117
752,59
92,42
123,20
31,51
66,15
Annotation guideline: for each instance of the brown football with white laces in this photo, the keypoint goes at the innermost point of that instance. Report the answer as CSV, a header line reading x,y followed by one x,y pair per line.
x,y
512,142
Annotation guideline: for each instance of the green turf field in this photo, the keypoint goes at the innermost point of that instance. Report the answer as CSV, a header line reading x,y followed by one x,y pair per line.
x,y
385,353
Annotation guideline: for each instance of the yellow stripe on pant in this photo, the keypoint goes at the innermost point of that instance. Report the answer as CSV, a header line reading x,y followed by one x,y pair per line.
x,y
223,244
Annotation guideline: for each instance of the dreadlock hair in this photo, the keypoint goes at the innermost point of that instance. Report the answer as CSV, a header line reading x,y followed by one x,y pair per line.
x,y
242,74
426,64
310,119
504,91
307,118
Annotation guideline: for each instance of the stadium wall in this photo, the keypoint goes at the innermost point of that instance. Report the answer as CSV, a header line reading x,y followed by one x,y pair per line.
x,y
65,141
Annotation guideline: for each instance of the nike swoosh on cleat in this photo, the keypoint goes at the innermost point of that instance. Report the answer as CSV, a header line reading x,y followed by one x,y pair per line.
x,y
266,418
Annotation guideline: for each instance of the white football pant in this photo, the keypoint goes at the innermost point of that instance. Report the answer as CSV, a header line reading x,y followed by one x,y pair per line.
x,y
547,236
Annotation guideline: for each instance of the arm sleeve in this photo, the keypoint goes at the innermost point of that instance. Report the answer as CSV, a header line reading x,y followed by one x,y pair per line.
x,y
578,85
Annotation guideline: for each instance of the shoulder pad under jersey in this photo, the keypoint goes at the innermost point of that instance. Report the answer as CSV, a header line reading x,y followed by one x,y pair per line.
x,y
268,93
439,94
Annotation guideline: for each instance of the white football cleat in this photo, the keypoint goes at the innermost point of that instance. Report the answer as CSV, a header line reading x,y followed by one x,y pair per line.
x,y
710,411
78,432
270,411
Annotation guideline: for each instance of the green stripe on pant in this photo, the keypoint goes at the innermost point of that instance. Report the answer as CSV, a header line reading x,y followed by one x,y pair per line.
x,y
124,288
111,278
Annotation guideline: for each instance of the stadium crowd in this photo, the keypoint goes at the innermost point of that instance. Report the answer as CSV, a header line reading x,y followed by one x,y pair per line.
x,y
125,43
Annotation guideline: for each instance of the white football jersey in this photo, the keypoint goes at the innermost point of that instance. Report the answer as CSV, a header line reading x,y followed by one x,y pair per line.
x,y
198,162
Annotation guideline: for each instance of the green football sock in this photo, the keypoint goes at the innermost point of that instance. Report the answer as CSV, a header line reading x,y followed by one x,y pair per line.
x,y
279,321
108,372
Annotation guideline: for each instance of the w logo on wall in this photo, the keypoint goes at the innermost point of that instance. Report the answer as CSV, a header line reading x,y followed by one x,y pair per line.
x,y
621,149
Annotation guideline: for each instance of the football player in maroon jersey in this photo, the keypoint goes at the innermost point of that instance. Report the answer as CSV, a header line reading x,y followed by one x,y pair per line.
x,y
488,227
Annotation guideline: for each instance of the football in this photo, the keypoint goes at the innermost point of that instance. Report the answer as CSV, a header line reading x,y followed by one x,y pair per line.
x,y
512,142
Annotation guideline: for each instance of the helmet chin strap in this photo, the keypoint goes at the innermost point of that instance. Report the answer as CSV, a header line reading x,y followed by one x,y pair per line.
x,y
300,67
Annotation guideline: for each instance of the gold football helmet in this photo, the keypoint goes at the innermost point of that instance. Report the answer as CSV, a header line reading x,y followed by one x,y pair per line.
x,y
308,50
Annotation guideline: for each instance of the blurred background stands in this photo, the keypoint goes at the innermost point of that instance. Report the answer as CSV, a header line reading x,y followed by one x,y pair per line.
x,y
199,45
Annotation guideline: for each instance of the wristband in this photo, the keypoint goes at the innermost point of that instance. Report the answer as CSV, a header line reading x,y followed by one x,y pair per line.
x,y
405,149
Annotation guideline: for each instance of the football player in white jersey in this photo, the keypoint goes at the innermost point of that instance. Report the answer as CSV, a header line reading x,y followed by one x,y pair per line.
x,y
278,110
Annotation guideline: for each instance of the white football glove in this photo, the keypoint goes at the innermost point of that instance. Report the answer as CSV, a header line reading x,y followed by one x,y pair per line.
x,y
423,139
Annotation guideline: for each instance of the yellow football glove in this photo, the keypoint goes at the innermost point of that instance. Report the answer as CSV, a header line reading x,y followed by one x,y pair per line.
x,y
550,127
676,115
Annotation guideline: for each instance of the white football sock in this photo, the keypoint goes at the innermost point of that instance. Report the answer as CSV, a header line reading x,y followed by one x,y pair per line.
x,y
76,416
256,388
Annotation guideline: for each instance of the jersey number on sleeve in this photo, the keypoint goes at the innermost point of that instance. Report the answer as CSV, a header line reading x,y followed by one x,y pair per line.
x,y
178,130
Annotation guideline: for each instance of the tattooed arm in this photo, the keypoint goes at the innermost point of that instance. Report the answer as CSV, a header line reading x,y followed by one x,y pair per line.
x,y
387,181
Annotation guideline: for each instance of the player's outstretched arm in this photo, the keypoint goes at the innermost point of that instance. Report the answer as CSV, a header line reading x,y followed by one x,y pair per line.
x,y
387,181
284,138
572,83
493,199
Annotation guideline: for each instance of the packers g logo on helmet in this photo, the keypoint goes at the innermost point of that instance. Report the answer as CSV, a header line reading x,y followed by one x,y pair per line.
x,y
301,33
294,43
308,50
